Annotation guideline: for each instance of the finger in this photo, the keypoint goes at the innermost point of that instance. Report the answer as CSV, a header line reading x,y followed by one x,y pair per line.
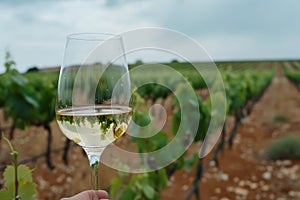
x,y
102,194
97,194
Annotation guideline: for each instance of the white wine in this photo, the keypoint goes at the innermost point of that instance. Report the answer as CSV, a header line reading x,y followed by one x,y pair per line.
x,y
94,126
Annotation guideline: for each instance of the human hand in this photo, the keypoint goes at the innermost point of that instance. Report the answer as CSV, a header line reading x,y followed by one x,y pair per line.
x,y
89,195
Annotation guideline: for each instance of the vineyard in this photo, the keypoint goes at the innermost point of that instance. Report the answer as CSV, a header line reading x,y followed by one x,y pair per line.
x,y
261,104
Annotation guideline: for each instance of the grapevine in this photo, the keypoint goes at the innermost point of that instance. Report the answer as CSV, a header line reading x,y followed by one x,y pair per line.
x,y
18,179
244,84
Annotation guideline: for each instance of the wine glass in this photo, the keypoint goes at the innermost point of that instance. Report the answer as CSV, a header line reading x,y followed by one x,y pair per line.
x,y
92,107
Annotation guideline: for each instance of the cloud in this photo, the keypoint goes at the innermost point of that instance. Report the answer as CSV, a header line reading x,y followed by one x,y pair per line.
x,y
35,33
230,17
35,30
117,3
238,29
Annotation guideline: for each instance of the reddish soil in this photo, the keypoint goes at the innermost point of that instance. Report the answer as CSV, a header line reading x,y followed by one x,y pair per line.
x,y
244,172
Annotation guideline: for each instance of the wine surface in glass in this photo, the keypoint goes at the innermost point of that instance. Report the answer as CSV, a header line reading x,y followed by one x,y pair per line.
x,y
94,126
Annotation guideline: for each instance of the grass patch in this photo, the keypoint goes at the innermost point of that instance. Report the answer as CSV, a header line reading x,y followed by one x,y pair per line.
x,y
280,118
287,147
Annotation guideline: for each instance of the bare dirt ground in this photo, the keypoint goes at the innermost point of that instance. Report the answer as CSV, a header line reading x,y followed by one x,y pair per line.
x,y
244,172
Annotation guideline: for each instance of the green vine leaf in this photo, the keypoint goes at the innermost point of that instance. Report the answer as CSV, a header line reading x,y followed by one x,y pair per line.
x,y
128,194
190,162
27,188
9,175
6,195
148,191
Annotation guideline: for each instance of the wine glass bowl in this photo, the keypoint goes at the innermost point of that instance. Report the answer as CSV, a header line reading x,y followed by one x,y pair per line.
x,y
92,107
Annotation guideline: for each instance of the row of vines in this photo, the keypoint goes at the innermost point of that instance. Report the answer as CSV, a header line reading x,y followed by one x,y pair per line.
x,y
28,99
243,85
292,72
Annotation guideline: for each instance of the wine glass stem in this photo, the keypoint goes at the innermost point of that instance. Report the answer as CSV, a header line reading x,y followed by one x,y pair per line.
x,y
95,175
94,155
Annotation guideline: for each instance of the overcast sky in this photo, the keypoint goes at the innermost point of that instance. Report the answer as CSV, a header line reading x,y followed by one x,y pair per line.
x,y
34,31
